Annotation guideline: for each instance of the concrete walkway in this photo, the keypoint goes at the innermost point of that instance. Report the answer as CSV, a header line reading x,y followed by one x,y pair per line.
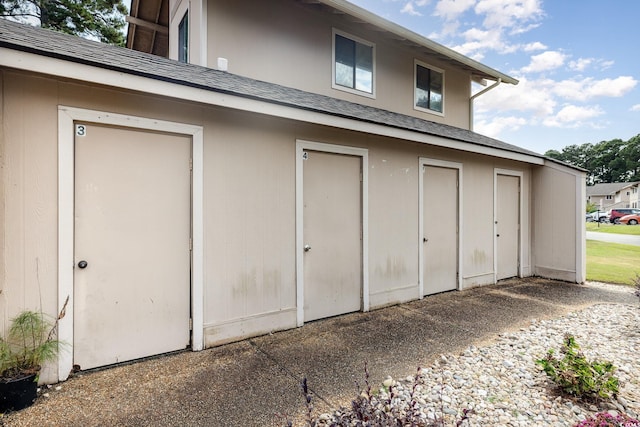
x,y
625,239
247,383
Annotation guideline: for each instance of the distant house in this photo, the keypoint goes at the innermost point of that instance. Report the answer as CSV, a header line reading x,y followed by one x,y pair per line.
x,y
292,160
607,196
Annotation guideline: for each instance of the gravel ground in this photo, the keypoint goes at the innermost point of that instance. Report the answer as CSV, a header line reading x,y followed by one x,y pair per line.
x,y
498,380
503,386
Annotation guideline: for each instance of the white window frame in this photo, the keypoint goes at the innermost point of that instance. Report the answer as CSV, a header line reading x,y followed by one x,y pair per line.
x,y
417,62
356,39
176,17
184,19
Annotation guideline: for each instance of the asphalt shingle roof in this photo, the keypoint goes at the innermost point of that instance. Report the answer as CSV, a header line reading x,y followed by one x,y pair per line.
x,y
52,44
606,189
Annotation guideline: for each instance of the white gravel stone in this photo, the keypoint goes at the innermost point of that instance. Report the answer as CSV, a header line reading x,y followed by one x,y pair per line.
x,y
503,386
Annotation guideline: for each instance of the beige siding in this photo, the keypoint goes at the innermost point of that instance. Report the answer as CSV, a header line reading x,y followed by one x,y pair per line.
x,y
558,201
283,42
30,186
249,206
249,224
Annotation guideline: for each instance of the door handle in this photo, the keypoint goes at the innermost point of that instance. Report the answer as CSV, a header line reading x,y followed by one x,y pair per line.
x,y
425,240
82,264
307,248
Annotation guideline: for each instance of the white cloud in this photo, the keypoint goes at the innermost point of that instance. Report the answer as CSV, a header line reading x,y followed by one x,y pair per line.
x,y
509,13
532,97
581,64
452,9
588,88
573,116
410,10
497,125
605,65
545,61
530,47
635,107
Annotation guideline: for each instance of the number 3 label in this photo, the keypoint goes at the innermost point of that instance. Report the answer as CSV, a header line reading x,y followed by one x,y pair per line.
x,y
81,130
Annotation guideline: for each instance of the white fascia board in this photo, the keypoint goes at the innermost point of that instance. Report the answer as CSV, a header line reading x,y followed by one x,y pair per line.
x,y
377,21
91,74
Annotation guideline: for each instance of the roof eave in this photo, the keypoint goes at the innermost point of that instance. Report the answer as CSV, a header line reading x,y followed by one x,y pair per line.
x,y
375,20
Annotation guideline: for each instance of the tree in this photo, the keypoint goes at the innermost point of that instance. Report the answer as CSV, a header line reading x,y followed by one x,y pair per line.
x,y
95,19
606,161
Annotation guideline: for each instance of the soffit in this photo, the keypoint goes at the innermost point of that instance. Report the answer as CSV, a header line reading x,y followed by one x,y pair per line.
x,y
149,27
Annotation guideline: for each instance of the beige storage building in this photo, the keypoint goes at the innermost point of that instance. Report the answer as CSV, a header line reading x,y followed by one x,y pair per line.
x,y
176,205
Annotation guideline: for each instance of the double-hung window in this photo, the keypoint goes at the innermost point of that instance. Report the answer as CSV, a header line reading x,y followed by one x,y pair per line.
x,y
429,89
354,64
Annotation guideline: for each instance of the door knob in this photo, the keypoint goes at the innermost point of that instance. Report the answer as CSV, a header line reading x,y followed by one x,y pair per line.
x,y
82,264
307,248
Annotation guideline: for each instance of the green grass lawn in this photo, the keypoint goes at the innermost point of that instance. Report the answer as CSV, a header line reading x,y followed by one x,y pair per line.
x,y
612,262
614,228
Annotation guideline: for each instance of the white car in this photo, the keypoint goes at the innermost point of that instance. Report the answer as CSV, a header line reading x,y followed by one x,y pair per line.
x,y
598,216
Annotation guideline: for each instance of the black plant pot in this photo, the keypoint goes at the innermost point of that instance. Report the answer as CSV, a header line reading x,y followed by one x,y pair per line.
x,y
18,394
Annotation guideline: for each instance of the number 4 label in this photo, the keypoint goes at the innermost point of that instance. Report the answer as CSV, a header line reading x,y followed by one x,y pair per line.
x,y
81,130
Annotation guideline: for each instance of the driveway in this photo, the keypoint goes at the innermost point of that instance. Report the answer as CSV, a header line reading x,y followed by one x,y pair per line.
x,y
624,239
247,383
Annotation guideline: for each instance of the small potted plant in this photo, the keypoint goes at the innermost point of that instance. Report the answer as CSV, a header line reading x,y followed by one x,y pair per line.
x,y
29,343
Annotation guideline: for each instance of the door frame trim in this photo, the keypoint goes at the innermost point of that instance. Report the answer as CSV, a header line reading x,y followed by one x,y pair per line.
x,y
66,213
363,153
424,161
520,175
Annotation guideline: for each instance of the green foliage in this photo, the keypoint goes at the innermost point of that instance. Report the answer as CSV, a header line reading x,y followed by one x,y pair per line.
x,y
28,345
606,161
577,376
98,19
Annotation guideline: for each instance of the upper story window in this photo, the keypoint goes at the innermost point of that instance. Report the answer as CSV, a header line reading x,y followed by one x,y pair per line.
x,y
429,88
354,64
183,38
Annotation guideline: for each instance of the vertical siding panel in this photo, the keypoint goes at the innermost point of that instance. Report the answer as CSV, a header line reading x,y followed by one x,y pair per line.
x,y
31,179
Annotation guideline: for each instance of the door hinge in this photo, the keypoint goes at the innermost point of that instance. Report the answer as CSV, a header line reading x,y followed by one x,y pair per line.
x,y
191,164
190,244
190,324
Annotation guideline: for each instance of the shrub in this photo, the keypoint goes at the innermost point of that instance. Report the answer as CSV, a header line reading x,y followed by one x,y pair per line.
x,y
577,376
605,419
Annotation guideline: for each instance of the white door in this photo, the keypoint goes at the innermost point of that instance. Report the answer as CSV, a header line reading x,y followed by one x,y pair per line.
x,y
507,226
132,237
440,240
332,227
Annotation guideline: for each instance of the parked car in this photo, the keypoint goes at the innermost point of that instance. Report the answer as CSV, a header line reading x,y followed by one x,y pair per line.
x,y
598,216
632,219
616,214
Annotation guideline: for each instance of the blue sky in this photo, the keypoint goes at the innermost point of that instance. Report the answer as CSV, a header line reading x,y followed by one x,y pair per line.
x,y
577,62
